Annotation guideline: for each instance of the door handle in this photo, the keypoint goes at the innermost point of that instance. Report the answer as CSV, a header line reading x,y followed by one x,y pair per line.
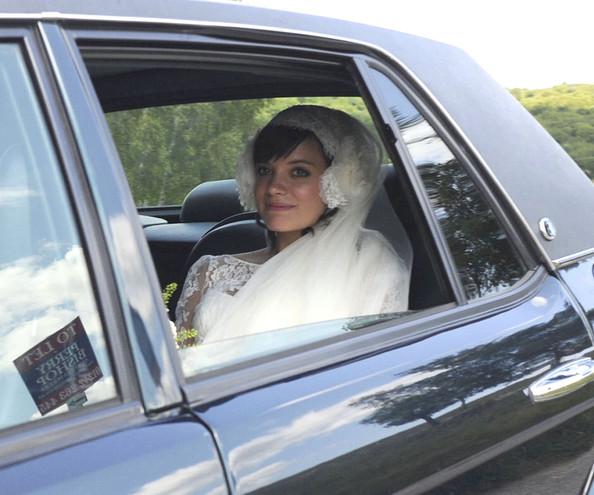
x,y
562,380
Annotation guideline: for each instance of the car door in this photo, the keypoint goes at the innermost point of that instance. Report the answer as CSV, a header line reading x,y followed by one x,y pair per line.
x,y
79,407
445,400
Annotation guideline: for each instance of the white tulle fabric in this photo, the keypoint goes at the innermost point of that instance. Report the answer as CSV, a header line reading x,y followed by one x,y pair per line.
x,y
340,270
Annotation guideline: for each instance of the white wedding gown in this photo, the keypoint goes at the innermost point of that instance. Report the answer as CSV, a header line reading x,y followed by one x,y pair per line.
x,y
215,283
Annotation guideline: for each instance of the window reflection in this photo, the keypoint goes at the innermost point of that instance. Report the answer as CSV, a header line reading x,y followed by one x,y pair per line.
x,y
44,281
485,259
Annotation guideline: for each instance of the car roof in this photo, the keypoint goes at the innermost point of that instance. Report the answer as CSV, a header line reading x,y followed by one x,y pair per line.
x,y
535,173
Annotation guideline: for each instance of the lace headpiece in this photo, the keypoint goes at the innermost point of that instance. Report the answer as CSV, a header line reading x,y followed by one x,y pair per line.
x,y
355,168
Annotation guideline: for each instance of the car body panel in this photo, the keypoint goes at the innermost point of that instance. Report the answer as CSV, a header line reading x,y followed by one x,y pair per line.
x,y
174,457
555,462
579,277
412,415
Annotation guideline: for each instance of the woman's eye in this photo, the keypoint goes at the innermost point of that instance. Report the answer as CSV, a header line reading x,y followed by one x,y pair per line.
x,y
301,172
263,170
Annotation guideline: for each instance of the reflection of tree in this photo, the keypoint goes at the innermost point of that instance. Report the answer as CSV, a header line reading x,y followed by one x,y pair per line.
x,y
455,379
479,246
485,259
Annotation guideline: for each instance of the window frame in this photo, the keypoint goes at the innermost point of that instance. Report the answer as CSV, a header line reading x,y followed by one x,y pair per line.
x,y
31,438
144,325
496,203
210,386
490,190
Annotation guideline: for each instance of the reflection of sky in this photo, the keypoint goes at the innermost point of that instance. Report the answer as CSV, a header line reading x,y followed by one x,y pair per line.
x,y
315,432
188,480
44,283
39,296
264,458
318,425
423,144
10,196
176,458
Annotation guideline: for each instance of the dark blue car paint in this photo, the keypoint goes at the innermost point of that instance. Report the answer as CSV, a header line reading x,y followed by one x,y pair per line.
x,y
417,414
163,458
579,278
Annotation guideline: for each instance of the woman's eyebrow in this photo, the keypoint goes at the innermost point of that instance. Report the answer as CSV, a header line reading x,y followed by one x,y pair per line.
x,y
302,161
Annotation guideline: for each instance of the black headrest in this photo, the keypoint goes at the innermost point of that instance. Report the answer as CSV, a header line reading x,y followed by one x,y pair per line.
x,y
211,201
232,238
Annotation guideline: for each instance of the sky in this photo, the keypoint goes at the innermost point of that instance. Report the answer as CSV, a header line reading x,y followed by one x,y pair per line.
x,y
522,43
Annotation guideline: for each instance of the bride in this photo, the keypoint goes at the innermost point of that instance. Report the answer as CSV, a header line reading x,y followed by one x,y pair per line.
x,y
311,174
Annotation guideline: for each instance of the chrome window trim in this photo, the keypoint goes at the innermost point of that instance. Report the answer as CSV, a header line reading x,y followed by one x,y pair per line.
x,y
573,258
588,482
365,66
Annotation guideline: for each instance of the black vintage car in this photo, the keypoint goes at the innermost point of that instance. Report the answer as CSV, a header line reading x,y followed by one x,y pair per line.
x,y
482,386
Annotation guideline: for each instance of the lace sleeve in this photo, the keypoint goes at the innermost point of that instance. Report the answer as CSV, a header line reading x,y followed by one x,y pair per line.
x,y
192,292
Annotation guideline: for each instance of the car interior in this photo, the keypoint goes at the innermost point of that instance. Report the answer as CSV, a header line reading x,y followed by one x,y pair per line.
x,y
210,219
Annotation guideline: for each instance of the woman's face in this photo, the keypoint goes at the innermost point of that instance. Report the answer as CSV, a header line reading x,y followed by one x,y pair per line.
x,y
288,191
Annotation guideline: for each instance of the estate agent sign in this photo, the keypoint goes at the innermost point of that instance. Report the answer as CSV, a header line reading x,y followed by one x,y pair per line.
x,y
60,368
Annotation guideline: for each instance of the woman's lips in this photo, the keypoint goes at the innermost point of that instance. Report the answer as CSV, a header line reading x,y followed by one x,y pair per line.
x,y
279,207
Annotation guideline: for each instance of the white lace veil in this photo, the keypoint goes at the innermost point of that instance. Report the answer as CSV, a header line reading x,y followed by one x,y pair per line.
x,y
341,269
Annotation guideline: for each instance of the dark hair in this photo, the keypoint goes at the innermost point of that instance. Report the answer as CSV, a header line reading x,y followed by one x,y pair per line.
x,y
277,141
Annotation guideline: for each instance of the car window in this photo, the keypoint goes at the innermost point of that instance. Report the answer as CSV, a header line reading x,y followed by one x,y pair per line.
x,y
53,355
485,258
170,139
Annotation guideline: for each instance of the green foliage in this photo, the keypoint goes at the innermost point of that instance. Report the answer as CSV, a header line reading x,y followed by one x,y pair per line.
x,y
166,151
168,292
186,338
567,112
183,337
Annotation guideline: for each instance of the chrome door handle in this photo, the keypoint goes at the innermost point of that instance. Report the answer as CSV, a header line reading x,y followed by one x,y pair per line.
x,y
562,380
